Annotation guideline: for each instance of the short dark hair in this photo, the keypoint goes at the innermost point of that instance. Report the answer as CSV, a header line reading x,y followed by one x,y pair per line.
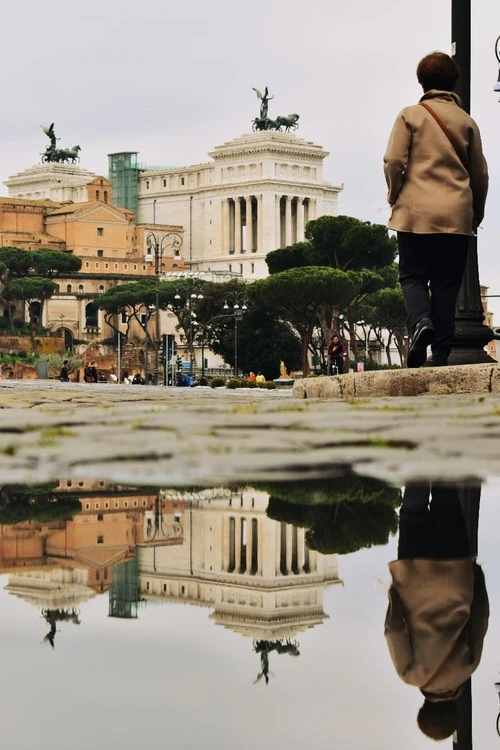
x,y
437,71
438,720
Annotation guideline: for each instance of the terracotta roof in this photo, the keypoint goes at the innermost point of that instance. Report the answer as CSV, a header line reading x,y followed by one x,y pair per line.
x,y
26,202
74,207
39,237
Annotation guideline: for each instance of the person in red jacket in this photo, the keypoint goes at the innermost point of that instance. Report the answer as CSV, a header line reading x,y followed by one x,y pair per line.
x,y
337,354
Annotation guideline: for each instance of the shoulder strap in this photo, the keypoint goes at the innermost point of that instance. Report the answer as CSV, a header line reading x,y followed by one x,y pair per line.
x,y
451,138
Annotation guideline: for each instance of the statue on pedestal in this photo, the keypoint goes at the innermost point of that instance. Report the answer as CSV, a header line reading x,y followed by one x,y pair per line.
x,y
59,155
263,122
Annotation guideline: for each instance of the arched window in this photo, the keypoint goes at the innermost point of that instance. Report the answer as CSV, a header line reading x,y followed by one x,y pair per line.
x,y
91,316
80,288
97,195
68,289
105,196
35,312
101,289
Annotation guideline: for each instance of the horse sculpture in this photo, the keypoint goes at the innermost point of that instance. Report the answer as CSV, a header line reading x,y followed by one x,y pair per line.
x,y
61,155
290,122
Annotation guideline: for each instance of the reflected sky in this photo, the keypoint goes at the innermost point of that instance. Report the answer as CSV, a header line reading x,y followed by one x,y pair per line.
x,y
183,672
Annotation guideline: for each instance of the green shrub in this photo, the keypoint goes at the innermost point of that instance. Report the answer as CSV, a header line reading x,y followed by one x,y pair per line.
x,y
202,380
218,382
234,383
250,384
271,385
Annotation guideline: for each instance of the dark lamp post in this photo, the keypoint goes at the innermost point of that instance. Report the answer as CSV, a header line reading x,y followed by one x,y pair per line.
x,y
238,316
496,87
471,335
156,247
192,323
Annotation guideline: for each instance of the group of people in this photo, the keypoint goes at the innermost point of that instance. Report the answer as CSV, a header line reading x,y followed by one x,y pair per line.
x,y
259,378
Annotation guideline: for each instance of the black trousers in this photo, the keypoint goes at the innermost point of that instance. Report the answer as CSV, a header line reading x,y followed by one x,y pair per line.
x,y
432,523
337,362
431,267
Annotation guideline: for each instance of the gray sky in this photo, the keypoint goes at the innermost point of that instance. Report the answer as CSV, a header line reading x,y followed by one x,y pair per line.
x,y
172,80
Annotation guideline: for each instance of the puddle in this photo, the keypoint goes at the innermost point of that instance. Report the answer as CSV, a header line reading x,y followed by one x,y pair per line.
x,y
245,616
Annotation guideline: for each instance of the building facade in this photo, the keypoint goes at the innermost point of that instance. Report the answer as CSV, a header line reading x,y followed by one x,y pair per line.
x,y
255,195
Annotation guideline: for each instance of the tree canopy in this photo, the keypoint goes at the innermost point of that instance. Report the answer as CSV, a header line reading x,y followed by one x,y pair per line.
x,y
302,295
20,502
341,515
27,275
342,242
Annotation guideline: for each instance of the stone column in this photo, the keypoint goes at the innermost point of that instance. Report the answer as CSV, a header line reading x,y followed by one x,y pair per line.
x,y
289,546
237,543
249,223
237,225
300,219
225,226
288,221
258,240
249,544
312,209
278,221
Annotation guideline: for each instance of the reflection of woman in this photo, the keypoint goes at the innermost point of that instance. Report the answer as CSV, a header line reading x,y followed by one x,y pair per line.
x,y
438,605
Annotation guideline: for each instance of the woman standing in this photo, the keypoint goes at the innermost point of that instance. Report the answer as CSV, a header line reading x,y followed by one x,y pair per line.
x,y
437,181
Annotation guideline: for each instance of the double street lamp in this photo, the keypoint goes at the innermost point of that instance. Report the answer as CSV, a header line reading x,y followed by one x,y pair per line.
x,y
192,323
237,314
156,247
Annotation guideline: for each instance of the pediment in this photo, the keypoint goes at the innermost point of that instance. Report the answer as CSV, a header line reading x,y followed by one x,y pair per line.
x,y
94,211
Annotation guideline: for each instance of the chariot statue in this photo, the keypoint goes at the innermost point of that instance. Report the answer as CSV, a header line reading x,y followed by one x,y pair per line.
x,y
59,155
263,122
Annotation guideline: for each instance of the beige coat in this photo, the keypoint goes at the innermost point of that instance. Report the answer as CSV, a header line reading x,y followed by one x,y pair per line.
x,y
430,190
436,622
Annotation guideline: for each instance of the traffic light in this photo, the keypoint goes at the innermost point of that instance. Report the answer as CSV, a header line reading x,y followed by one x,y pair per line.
x,y
168,347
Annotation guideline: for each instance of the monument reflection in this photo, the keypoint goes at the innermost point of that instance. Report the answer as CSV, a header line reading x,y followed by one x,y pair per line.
x,y
260,560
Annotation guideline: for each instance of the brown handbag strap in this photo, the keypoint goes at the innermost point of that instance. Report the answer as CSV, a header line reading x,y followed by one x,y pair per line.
x,y
451,138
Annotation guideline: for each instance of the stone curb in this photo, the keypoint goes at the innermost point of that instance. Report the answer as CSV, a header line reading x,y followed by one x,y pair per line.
x,y
434,381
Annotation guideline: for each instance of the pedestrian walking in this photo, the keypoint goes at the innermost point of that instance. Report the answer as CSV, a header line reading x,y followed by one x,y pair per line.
x,y
437,181
438,604
64,373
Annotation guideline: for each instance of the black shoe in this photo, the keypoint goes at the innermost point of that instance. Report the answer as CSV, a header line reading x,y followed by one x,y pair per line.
x,y
438,360
423,336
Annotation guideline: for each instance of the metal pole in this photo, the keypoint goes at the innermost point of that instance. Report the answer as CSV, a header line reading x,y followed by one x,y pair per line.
x,y
471,335
119,352
203,352
146,351
157,304
235,346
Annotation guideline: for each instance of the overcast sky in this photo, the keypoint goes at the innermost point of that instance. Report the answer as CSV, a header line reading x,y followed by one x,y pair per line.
x,y
172,80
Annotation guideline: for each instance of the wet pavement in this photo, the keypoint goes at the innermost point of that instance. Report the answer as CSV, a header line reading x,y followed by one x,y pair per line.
x,y
211,436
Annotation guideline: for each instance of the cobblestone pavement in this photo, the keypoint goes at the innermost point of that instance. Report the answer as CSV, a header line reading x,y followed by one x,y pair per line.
x,y
180,436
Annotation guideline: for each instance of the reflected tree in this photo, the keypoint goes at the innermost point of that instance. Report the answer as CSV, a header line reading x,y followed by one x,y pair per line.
x,y
341,514
23,502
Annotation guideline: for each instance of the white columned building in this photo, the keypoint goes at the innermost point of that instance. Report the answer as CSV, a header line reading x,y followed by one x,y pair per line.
x,y
255,195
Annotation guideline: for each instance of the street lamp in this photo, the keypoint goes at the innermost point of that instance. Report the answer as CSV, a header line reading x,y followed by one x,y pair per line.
x,y
497,53
238,316
156,248
366,334
497,687
471,335
149,312
192,323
